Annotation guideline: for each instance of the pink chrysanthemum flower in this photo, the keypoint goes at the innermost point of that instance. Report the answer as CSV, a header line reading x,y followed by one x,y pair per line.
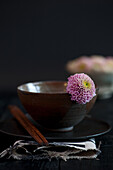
x,y
81,87
79,65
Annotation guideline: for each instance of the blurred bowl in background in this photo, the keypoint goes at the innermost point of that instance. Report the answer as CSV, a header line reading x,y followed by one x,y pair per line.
x,y
50,105
104,82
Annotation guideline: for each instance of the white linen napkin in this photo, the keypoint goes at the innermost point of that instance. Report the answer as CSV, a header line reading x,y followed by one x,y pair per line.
x,y
28,150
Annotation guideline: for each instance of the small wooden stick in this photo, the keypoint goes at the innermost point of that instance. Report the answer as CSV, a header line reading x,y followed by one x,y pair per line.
x,y
30,128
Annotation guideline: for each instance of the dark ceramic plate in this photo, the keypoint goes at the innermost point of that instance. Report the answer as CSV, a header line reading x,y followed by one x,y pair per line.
x,y
88,128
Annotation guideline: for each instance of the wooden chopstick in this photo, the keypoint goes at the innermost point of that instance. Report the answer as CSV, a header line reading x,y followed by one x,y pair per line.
x,y
25,122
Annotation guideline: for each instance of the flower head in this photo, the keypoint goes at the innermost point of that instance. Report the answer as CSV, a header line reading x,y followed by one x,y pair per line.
x,y
98,63
92,64
81,87
79,65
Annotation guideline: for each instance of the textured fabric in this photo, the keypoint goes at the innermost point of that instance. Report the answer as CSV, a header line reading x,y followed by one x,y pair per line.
x,y
28,150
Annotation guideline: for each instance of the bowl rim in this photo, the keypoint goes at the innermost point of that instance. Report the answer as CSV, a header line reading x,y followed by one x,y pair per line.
x,y
47,93
40,82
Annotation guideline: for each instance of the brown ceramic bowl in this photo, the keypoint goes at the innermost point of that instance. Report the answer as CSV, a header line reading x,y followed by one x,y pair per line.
x,y
50,105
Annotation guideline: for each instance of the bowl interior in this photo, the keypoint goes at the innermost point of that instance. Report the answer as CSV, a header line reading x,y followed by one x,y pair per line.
x,y
44,87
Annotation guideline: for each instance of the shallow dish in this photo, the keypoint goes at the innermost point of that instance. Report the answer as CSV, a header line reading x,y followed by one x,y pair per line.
x,y
86,129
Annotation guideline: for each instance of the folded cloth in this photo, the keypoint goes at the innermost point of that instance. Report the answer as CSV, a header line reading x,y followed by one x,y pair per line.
x,y
28,150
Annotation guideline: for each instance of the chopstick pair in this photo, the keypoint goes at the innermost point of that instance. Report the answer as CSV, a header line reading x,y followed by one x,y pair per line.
x,y
30,128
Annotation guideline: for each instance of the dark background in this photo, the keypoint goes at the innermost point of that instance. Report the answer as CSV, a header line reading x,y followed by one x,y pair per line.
x,y
37,38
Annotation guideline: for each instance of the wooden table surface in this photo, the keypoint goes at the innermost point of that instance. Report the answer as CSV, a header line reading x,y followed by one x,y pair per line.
x,y
103,110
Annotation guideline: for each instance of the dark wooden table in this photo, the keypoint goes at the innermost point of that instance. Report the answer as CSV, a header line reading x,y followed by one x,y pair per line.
x,y
103,110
